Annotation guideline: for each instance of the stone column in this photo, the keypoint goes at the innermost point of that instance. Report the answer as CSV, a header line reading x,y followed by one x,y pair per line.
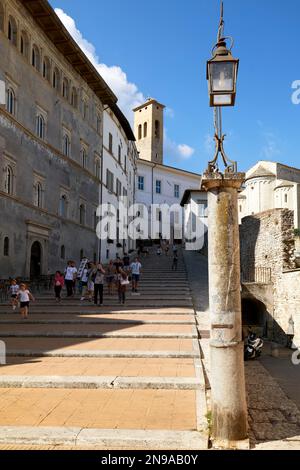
x,y
228,396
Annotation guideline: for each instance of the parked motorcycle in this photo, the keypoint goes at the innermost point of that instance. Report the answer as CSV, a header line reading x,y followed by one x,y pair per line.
x,y
253,346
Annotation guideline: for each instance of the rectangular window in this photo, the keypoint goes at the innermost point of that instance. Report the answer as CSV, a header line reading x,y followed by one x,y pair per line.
x,y
110,181
119,188
176,191
119,154
158,187
124,192
141,183
110,143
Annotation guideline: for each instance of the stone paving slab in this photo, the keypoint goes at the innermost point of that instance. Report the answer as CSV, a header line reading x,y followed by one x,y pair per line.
x,y
134,367
100,354
95,319
101,382
90,309
111,330
126,345
102,409
108,439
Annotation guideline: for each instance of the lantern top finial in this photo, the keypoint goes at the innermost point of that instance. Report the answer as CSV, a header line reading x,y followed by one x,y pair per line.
x,y
221,24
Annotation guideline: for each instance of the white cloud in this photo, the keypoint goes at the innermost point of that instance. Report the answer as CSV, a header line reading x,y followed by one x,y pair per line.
x,y
175,151
128,94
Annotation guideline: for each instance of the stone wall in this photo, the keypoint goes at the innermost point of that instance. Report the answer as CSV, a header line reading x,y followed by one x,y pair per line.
x,y
267,241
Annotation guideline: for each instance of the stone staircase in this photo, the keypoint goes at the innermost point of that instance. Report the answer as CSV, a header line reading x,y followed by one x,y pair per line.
x,y
111,377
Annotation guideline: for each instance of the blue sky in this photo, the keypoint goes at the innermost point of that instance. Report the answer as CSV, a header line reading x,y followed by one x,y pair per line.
x,y
162,47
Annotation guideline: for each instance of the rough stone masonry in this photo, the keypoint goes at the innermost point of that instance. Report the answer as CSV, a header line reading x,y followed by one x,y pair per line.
x,y
268,241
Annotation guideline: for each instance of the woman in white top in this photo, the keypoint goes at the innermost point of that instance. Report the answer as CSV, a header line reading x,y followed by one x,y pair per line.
x,y
70,278
24,296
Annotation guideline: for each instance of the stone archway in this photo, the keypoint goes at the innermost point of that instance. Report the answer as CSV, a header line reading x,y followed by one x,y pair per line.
x,y
35,260
255,316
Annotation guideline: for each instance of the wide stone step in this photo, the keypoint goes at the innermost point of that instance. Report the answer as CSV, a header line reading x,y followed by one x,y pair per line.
x,y
84,353
113,330
99,408
91,311
97,321
102,347
98,382
90,366
84,438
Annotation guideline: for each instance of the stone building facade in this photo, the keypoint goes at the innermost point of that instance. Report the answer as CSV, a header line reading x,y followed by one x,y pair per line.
x,y
51,143
270,276
158,183
119,178
271,185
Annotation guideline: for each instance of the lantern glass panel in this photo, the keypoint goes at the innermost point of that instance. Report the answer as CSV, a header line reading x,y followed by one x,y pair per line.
x,y
222,100
222,76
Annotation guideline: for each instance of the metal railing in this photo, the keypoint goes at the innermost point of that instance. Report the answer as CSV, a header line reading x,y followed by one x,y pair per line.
x,y
258,275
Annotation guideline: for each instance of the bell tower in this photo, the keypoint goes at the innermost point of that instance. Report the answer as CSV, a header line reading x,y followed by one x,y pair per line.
x,y
149,130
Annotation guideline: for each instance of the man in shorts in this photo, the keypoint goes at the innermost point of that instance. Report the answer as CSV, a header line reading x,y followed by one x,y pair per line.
x,y
135,269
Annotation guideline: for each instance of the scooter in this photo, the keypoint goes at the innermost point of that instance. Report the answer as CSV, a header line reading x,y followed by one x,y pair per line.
x,y
253,347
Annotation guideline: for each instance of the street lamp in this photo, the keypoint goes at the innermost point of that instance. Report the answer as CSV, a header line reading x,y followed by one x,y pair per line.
x,y
221,74
227,377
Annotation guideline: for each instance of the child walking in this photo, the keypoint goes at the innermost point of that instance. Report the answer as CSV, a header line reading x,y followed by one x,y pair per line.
x,y
122,280
59,282
24,296
14,289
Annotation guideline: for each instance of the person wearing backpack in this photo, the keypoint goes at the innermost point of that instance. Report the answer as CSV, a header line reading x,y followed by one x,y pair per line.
x,y
98,279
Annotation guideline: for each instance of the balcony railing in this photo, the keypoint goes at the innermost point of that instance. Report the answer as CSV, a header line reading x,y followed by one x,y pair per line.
x,y
258,275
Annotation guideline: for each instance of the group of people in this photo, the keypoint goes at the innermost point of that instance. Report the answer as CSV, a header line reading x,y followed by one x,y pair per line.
x,y
91,278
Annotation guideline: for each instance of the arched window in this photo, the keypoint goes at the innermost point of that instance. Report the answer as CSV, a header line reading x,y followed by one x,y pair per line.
x,y
74,98
63,206
6,247
97,168
12,31
40,127
24,44
85,109
145,130
98,124
81,253
39,195
1,17
65,89
9,180
66,145
157,130
46,68
140,132
56,79
82,214
63,252
83,158
35,58
10,101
